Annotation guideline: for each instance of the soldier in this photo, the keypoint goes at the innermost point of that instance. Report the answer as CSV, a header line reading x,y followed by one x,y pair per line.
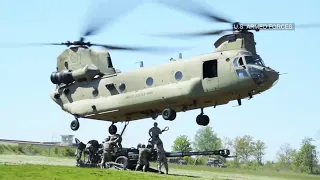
x,y
162,159
118,139
108,148
144,155
92,147
154,133
80,147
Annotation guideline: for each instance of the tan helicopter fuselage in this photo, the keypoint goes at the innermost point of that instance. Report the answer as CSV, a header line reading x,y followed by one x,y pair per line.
x,y
184,84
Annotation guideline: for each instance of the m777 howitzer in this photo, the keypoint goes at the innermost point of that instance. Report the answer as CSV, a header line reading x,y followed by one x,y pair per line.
x,y
128,158
221,152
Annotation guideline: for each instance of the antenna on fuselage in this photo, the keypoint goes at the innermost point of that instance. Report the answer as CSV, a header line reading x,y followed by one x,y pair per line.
x,y
141,63
239,103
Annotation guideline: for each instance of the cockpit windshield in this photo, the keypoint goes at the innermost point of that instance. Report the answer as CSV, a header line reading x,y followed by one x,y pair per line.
x,y
254,60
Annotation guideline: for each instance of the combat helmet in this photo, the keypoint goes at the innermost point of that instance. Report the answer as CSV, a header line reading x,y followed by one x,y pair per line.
x,y
139,145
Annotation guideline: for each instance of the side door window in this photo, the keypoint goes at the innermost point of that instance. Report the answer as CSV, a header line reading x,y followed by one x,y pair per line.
x,y
210,69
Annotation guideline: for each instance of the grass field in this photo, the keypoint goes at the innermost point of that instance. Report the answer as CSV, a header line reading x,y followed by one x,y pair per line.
x,y
42,172
60,169
260,173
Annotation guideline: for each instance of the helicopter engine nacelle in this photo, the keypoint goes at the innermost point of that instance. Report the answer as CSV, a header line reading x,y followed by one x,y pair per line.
x,y
67,76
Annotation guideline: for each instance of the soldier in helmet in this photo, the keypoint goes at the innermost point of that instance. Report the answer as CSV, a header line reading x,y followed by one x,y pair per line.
x,y
162,159
144,155
80,148
108,149
118,139
154,133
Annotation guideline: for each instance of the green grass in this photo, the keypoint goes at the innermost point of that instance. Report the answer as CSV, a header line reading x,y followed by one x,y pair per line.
x,y
269,173
41,172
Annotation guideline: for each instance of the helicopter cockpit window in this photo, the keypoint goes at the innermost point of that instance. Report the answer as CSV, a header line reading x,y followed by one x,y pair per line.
x,y
254,60
235,62
238,62
241,61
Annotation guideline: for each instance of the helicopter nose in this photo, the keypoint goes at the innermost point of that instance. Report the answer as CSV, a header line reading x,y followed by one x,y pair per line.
x,y
273,76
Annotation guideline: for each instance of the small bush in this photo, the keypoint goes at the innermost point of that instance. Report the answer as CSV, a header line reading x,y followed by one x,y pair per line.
x,y
68,152
32,150
16,149
189,160
2,149
56,150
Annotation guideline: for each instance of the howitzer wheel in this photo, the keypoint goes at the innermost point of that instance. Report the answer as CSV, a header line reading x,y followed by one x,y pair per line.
x,y
122,160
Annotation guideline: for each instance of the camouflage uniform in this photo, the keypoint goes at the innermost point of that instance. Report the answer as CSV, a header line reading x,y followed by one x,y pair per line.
x,y
162,159
108,149
81,146
154,133
118,140
144,155
92,147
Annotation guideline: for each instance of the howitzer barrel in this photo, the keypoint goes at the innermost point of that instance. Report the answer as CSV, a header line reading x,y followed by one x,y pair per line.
x,y
221,152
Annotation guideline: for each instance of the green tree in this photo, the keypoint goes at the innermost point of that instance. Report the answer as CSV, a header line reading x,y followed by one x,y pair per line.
x,y
182,143
259,151
306,158
244,148
285,155
206,140
227,143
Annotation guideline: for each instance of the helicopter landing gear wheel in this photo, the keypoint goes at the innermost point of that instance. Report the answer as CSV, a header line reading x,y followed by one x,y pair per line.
x,y
75,125
202,120
154,116
169,114
113,129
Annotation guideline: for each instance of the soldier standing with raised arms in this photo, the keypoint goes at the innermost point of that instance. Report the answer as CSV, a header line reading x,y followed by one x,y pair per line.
x,y
154,133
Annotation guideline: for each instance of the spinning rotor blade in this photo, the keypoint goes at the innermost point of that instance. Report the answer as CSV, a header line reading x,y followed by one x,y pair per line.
x,y
194,7
138,49
108,47
8,45
103,13
205,33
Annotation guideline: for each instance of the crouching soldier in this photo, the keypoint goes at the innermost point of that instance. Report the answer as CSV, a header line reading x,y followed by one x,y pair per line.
x,y
144,156
108,149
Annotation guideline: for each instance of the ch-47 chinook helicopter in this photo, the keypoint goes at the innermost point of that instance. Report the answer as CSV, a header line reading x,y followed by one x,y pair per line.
x,y
88,86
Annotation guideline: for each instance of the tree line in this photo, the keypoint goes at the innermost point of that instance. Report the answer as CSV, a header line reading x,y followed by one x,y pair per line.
x,y
250,152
